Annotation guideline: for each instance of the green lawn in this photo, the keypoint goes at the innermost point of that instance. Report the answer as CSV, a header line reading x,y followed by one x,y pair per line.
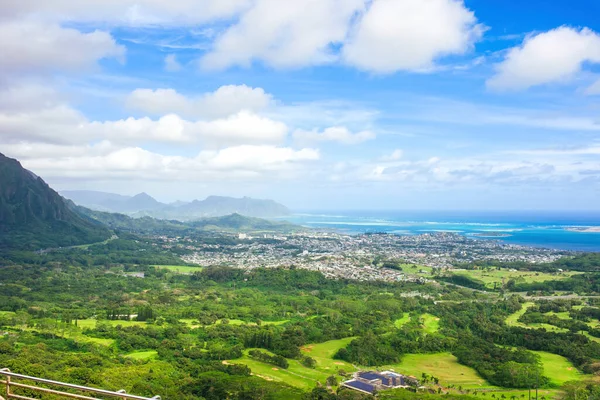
x,y
6,313
503,275
240,322
513,319
91,323
443,366
431,323
296,375
142,355
180,269
402,321
558,368
323,354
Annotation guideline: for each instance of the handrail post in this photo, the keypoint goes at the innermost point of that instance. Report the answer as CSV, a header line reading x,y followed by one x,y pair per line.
x,y
7,383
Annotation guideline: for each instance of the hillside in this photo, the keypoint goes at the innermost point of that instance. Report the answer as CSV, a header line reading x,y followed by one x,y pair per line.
x,y
143,205
149,225
33,216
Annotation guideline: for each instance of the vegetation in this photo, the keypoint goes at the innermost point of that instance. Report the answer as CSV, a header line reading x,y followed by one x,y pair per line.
x,y
35,217
127,313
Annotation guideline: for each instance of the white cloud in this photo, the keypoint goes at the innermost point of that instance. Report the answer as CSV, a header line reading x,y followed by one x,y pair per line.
x,y
171,63
107,161
61,124
395,35
338,134
243,127
554,56
125,12
594,89
394,155
225,101
28,47
284,34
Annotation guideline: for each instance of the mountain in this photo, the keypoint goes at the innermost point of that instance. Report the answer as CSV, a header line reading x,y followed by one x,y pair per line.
x,y
215,206
143,205
33,216
111,202
227,223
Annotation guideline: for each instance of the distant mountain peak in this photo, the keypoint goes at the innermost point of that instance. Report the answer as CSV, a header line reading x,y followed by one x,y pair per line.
x,y
143,204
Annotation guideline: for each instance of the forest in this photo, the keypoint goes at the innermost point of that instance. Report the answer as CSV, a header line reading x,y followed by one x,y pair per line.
x,y
110,316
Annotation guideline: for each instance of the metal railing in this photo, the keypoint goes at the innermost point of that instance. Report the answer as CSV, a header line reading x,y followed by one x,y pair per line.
x,y
85,393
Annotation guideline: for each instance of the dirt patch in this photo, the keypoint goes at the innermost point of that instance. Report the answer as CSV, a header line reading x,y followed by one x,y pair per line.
x,y
266,378
224,362
338,363
570,369
307,349
275,369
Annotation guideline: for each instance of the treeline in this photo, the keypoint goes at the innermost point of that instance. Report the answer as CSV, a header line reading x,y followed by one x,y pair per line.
x,y
269,359
585,284
586,262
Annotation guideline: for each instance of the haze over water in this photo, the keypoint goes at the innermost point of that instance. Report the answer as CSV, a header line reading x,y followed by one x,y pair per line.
x,y
538,229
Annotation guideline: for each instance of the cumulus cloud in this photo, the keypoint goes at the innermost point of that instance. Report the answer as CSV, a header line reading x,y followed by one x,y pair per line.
x,y
284,34
394,35
225,101
338,134
106,161
28,47
554,56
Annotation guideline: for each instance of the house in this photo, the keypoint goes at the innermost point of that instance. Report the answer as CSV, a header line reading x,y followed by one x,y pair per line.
x,y
369,382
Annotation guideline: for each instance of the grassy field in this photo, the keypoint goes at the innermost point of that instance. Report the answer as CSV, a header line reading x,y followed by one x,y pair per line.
x,y
142,355
180,269
502,276
513,319
323,354
91,323
6,313
402,321
431,323
296,374
558,368
443,366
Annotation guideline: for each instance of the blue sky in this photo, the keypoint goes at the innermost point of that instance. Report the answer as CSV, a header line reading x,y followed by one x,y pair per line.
x,y
320,104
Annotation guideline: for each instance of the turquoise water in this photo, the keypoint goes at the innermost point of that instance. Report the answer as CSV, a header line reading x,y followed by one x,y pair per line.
x,y
538,229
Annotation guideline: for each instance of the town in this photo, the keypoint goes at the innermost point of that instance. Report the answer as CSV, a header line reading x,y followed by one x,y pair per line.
x,y
356,257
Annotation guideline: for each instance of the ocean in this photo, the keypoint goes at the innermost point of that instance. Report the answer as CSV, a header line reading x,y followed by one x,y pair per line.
x,y
554,230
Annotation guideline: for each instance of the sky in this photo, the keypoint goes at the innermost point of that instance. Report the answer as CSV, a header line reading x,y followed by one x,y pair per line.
x,y
318,104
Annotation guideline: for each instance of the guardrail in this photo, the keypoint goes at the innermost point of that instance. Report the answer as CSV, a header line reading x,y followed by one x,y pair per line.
x,y
85,393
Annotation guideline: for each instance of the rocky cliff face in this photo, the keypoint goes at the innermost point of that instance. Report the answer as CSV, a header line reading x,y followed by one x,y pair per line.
x,y
32,214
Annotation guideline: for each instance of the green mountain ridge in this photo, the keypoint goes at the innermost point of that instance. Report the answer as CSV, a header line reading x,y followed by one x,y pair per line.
x,y
148,225
33,216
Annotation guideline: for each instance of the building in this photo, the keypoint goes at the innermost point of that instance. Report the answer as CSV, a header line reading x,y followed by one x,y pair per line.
x,y
369,382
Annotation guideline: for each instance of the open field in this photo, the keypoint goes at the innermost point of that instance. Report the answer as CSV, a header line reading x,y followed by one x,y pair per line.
x,y
502,276
142,355
402,321
91,323
180,269
431,323
6,313
558,368
513,319
443,366
323,354
296,375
